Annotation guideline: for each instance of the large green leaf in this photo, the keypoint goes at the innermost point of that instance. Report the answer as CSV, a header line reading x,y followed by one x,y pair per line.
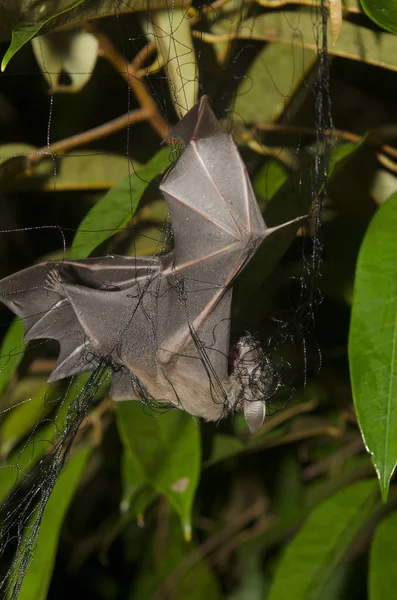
x,y
117,207
373,341
382,12
272,81
356,41
38,577
382,584
24,31
316,550
165,451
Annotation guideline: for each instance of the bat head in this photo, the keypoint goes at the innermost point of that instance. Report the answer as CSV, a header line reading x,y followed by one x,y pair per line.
x,y
252,381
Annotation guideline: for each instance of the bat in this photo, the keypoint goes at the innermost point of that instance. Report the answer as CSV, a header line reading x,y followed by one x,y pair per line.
x,y
163,323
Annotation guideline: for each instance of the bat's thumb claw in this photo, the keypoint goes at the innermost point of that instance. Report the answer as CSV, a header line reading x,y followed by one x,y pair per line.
x,y
254,412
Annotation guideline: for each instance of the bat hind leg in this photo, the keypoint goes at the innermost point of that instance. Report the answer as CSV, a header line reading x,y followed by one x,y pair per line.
x,y
54,282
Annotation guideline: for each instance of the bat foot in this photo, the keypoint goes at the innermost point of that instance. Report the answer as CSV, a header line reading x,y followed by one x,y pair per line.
x,y
53,282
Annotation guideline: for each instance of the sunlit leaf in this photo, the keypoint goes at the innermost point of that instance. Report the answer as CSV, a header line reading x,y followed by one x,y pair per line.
x,y
321,542
174,42
382,12
71,52
272,81
24,31
165,451
38,577
295,32
117,207
382,564
373,341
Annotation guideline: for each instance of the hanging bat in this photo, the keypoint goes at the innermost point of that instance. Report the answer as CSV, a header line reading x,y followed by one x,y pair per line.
x,y
163,323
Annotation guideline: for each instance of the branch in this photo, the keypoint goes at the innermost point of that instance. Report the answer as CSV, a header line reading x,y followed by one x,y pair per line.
x,y
129,72
86,137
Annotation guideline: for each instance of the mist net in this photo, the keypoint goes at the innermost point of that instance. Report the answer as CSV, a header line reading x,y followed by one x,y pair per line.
x,y
121,278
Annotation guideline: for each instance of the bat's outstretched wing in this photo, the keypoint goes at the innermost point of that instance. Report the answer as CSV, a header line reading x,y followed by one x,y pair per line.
x,y
217,228
164,322
87,306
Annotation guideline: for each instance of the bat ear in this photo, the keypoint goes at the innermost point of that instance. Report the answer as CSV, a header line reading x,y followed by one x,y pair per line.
x,y
254,412
200,122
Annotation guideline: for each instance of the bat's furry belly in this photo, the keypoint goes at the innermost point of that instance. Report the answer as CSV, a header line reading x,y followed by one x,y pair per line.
x,y
182,389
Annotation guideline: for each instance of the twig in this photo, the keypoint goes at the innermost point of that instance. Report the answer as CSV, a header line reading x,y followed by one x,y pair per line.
x,y
285,415
95,419
349,136
129,73
316,469
252,512
297,436
310,3
86,137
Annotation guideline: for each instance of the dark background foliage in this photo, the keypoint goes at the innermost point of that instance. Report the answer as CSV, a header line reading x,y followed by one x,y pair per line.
x,y
293,511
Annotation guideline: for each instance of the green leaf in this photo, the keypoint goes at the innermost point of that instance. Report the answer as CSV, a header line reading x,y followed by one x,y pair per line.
x,y
382,12
137,495
165,453
272,80
316,550
373,341
117,207
23,32
13,162
38,577
30,401
382,584
11,352
22,460
276,72
269,179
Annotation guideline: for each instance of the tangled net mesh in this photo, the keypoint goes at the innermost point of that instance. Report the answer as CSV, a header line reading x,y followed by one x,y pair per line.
x,y
153,67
